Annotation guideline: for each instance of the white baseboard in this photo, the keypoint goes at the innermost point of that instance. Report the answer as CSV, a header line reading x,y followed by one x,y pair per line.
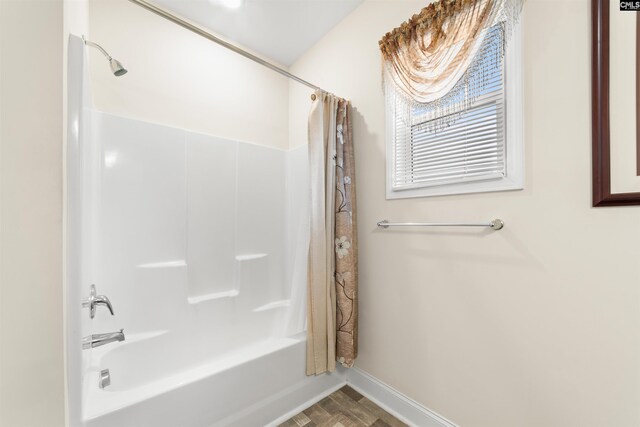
x,y
397,404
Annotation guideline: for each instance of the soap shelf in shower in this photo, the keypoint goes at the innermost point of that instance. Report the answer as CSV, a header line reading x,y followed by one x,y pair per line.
x,y
213,296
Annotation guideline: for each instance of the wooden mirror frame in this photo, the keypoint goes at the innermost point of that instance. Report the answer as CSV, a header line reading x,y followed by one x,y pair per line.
x,y
601,136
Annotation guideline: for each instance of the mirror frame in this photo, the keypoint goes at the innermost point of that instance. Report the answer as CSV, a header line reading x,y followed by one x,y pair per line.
x,y
601,138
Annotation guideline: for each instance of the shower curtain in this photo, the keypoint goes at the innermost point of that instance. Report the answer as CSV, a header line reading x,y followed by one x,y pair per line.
x,y
332,309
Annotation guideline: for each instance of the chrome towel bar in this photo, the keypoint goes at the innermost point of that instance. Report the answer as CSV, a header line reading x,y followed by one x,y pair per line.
x,y
495,224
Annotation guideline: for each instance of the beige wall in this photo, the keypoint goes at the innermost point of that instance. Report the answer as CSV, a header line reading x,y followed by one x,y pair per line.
x,y
31,340
537,325
180,79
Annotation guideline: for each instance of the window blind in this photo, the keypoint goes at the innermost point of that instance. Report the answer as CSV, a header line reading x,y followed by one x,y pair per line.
x,y
471,148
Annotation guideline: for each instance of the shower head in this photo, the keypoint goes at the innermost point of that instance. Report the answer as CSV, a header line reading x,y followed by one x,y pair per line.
x,y
116,66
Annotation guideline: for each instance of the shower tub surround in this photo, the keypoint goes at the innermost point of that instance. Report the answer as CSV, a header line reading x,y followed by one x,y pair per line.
x,y
198,242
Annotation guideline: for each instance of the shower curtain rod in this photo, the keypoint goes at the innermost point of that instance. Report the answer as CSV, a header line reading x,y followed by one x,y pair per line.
x,y
207,35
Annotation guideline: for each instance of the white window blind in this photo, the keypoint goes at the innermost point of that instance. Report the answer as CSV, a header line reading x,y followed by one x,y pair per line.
x,y
470,148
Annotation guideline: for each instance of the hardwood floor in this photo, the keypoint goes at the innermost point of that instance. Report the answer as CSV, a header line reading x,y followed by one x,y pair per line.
x,y
344,408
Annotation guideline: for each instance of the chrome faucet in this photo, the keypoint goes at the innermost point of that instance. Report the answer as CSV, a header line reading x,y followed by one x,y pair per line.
x,y
95,300
96,340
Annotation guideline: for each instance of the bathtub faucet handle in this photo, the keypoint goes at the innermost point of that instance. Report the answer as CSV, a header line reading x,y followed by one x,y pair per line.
x,y
95,300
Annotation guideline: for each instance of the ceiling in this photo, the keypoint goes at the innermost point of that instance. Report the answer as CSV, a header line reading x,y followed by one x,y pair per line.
x,y
281,30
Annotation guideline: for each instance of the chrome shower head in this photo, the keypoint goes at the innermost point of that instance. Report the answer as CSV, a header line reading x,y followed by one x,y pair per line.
x,y
116,66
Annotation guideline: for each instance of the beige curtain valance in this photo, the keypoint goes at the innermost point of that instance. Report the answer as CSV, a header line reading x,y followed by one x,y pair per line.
x,y
433,52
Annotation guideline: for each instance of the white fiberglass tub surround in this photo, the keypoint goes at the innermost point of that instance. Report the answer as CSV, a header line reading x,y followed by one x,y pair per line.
x,y
200,244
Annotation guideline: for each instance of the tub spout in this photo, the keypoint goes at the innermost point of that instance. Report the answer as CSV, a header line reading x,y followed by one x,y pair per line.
x,y
97,340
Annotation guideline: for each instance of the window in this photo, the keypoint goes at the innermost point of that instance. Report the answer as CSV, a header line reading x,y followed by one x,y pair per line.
x,y
476,149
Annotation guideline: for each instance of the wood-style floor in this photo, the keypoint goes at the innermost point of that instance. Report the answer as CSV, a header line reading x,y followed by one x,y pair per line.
x,y
344,408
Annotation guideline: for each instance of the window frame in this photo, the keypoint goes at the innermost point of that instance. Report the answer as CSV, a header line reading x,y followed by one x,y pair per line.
x,y
514,136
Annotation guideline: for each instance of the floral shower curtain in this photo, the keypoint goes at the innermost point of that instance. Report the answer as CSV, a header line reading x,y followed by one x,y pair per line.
x,y
332,310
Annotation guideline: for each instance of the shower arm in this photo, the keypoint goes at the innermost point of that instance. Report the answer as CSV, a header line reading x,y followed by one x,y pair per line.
x,y
97,46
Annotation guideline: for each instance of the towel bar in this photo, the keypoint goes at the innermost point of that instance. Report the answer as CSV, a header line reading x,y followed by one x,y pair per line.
x,y
495,224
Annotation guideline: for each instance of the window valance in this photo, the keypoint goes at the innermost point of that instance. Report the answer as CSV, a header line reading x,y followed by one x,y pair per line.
x,y
433,65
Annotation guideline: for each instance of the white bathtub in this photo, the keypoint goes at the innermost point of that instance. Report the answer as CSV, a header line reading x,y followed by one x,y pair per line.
x,y
250,386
